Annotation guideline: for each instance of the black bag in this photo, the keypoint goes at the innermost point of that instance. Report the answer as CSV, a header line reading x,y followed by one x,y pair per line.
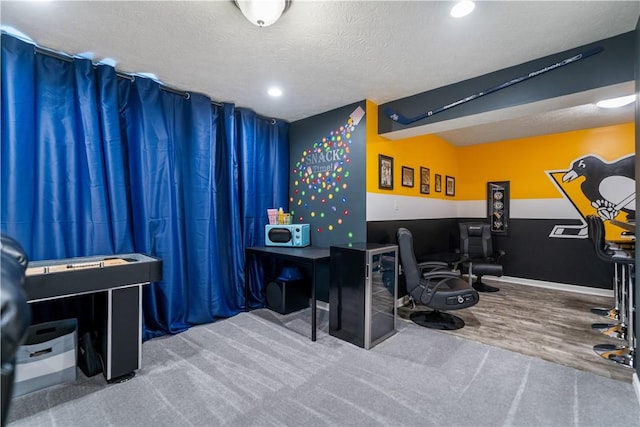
x,y
89,360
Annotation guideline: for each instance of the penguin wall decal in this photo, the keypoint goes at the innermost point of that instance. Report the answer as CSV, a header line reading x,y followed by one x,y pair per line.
x,y
595,186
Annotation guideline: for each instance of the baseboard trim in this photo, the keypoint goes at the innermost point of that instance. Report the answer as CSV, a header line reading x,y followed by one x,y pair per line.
x,y
557,286
636,385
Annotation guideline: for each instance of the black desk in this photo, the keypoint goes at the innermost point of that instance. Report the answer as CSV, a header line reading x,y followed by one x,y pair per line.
x,y
309,256
116,282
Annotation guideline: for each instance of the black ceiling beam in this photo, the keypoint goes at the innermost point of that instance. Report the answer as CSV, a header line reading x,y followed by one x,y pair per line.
x,y
614,65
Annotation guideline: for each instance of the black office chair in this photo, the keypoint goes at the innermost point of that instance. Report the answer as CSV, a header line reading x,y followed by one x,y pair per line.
x,y
15,315
434,285
477,256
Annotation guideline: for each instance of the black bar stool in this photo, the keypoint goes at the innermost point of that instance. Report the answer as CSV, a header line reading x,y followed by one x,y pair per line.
x,y
624,261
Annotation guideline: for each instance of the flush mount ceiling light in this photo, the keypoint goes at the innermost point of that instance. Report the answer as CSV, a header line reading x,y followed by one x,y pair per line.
x,y
462,8
616,102
274,91
262,12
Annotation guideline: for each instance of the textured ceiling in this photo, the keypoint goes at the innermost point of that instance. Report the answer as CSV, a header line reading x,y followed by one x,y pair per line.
x,y
324,54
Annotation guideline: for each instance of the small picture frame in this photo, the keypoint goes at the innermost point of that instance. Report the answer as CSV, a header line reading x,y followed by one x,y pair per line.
x,y
437,182
407,176
450,186
425,180
385,172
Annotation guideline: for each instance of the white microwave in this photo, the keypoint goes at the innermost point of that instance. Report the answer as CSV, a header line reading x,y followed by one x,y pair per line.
x,y
296,235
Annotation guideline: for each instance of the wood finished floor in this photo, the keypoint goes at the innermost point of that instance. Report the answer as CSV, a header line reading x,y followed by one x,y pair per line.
x,y
553,325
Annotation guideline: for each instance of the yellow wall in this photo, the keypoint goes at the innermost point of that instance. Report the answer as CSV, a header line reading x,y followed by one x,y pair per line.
x,y
429,151
523,162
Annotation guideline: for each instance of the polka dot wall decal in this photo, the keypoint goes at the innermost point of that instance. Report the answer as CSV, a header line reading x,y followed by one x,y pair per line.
x,y
322,172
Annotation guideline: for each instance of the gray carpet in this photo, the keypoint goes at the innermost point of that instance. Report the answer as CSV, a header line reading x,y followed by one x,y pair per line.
x,y
261,369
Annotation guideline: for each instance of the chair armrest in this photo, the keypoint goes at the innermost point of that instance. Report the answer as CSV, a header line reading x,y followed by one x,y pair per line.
x,y
432,281
432,265
499,254
441,273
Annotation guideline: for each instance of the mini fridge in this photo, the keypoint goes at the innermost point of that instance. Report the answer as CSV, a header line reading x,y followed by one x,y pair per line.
x,y
362,292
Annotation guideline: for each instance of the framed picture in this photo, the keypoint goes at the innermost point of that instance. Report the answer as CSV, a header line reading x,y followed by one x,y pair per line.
x,y
498,206
451,186
385,172
437,184
407,176
425,180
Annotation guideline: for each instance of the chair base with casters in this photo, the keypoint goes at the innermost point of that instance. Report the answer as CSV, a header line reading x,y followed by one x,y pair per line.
x,y
433,285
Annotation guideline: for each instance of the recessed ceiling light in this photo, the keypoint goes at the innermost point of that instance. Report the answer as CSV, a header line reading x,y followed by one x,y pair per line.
x,y
275,92
462,8
617,102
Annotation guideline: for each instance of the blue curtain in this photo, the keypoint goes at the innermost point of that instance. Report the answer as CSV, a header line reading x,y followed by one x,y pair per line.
x,y
95,164
260,163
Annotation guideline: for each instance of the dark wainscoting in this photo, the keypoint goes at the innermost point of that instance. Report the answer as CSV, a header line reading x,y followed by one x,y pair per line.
x,y
430,236
530,252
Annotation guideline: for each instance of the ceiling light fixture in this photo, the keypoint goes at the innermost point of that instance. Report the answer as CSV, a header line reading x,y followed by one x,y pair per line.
x,y
616,102
262,12
462,8
275,92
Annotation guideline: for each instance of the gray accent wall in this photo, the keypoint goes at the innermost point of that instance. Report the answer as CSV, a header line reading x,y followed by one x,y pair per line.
x,y
327,175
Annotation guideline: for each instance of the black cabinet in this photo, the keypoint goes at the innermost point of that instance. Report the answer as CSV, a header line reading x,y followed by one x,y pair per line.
x,y
363,292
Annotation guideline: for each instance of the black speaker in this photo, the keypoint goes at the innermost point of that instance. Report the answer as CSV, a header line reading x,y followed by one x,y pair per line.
x,y
285,297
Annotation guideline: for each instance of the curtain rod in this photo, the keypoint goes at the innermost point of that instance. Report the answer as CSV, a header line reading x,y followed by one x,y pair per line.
x,y
68,58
